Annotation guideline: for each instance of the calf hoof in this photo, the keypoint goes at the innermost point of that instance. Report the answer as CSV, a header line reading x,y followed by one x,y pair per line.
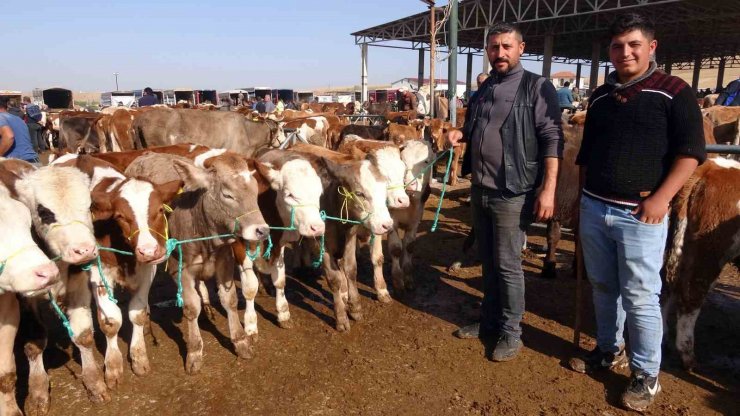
x,y
286,324
343,324
455,267
385,297
193,363
688,362
356,315
141,366
96,388
549,270
113,371
36,405
244,349
253,338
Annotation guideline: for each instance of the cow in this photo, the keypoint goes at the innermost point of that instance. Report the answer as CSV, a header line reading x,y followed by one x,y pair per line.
x,y
224,129
379,108
82,132
313,129
399,117
119,128
219,200
128,216
290,192
59,201
704,236
366,132
416,156
399,133
709,100
354,190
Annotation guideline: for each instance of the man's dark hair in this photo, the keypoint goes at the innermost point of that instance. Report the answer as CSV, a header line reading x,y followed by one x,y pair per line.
x,y
632,21
149,91
566,84
504,27
4,102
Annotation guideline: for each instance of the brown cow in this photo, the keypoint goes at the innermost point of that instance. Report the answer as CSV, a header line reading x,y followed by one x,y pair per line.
x,y
81,132
129,216
399,133
705,236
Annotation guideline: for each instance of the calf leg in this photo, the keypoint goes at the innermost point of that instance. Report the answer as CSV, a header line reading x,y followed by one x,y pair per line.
x,y
456,152
250,286
407,261
395,248
349,266
376,255
80,318
110,320
278,280
206,298
686,322
9,320
228,298
549,269
138,314
191,311
337,281
34,334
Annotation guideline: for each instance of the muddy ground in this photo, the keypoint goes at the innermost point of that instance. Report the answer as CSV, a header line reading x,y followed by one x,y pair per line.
x,y
402,359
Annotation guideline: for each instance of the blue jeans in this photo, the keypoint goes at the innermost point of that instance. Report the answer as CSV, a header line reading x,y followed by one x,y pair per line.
x,y
623,258
500,219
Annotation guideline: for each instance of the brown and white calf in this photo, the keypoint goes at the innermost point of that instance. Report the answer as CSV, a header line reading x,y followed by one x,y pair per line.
x,y
218,200
704,237
290,189
128,216
24,270
59,201
415,155
366,202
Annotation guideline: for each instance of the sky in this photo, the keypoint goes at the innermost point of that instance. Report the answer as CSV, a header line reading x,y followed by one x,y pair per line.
x,y
221,45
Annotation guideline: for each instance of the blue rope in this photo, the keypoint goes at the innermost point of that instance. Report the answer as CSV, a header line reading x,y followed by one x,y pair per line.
x,y
61,315
444,188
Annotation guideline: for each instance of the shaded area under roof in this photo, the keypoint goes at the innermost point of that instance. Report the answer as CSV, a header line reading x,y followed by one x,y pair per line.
x,y
686,29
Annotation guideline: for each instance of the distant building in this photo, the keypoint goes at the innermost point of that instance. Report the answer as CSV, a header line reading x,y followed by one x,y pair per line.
x,y
560,78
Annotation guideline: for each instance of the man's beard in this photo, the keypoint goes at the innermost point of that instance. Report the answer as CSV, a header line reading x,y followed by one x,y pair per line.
x,y
508,67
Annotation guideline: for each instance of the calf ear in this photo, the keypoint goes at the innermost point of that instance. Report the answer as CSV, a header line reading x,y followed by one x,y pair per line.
x,y
268,172
169,190
101,207
357,153
192,176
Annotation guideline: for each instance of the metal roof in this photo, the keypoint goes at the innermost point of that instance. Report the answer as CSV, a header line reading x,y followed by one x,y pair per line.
x,y
686,29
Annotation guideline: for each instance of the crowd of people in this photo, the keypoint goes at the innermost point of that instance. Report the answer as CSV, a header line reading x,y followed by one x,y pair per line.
x,y
20,130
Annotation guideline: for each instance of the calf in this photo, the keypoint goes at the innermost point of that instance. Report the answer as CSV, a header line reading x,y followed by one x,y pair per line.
x,y
704,237
218,200
355,190
59,201
290,192
128,216
24,269
366,132
398,133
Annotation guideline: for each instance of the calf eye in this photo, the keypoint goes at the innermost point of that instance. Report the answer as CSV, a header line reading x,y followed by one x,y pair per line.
x,y
47,217
227,196
360,194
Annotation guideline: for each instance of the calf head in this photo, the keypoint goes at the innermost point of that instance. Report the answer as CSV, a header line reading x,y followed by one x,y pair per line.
x,y
436,132
229,195
24,268
59,201
388,161
366,187
299,189
137,206
417,155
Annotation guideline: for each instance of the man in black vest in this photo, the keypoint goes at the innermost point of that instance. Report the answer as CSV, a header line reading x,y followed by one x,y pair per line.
x,y
515,144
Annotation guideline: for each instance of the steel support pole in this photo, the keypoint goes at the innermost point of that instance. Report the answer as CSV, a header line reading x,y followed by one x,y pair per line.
x,y
432,59
668,65
452,62
721,74
547,56
695,78
594,79
486,63
421,68
469,75
363,80
606,72
578,75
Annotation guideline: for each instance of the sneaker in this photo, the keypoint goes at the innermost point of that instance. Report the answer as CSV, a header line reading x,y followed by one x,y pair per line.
x,y
641,392
507,348
599,360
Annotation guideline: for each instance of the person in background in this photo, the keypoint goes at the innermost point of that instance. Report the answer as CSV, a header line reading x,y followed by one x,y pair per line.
x,y
577,99
406,100
15,142
269,105
14,108
149,98
280,106
443,105
565,98
33,121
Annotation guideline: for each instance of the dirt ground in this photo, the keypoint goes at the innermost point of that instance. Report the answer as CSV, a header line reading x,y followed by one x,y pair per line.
x,y
402,358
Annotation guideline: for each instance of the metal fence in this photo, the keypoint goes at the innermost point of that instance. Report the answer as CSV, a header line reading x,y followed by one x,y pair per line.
x,y
730,149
